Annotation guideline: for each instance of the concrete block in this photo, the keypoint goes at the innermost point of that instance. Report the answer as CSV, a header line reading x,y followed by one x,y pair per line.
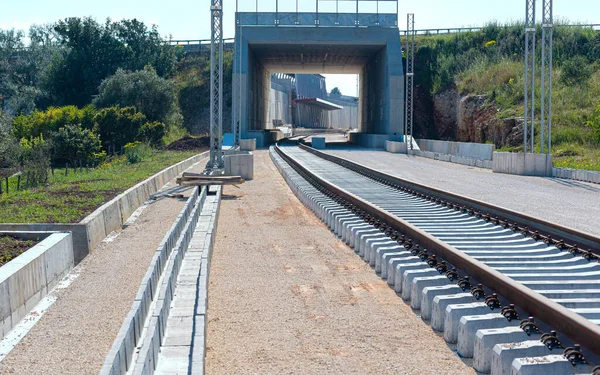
x,y
553,364
96,229
248,144
486,339
240,164
429,294
420,283
454,314
522,164
469,325
318,143
409,275
503,355
395,147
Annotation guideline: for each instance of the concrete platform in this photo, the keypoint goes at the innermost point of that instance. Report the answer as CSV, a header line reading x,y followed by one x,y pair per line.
x,y
509,191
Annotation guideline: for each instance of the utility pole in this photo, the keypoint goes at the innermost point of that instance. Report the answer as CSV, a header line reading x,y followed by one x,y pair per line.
x,y
529,114
410,62
216,85
546,115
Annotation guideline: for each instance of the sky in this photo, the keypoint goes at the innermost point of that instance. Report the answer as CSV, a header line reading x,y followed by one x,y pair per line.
x,y
190,19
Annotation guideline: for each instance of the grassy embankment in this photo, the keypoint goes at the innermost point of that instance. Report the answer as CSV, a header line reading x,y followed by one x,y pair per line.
x,y
11,248
491,62
69,198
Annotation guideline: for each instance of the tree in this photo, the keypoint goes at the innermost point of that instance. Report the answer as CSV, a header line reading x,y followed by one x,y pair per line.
x,y
150,94
94,52
336,91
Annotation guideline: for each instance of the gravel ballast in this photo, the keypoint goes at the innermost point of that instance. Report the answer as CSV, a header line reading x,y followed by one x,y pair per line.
x,y
286,296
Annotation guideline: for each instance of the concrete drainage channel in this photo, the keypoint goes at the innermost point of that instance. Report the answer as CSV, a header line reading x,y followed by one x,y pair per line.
x,y
165,330
498,339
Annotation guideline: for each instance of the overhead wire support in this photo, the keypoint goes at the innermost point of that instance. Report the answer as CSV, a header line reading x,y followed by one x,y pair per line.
x,y
546,86
529,90
216,86
410,62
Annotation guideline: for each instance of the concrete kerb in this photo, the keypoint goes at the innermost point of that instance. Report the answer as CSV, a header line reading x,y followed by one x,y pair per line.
x,y
149,291
28,278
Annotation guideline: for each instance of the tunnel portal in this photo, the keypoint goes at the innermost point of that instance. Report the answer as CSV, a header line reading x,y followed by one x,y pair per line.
x,y
313,43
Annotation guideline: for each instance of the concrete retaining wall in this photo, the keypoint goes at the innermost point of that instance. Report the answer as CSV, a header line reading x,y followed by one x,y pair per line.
x,y
371,140
28,278
453,159
395,147
522,164
477,151
576,174
89,232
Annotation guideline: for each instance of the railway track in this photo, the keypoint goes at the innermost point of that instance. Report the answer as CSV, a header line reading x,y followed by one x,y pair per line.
x,y
485,276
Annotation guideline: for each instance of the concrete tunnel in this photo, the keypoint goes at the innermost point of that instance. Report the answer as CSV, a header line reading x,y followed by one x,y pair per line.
x,y
372,52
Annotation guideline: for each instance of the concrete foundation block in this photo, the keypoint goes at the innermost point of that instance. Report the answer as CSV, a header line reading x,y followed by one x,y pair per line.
x,y
318,143
486,339
469,325
248,144
395,147
240,164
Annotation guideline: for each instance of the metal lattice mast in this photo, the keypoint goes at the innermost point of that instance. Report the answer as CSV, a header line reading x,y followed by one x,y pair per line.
x,y
216,84
546,116
529,94
410,62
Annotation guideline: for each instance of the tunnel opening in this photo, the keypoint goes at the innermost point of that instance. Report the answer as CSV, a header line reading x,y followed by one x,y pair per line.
x,y
265,49
307,101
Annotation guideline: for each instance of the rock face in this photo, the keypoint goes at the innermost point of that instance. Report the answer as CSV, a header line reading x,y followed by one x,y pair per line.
x,y
473,118
445,114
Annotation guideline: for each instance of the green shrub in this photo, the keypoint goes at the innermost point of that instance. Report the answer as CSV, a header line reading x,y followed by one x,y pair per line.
x,y
73,144
136,152
118,126
51,120
576,71
152,133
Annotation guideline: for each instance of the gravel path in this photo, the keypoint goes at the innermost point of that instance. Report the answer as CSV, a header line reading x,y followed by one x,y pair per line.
x,y
570,203
286,296
74,336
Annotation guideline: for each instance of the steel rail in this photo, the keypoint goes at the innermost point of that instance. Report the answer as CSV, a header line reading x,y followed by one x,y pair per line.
x,y
581,239
574,326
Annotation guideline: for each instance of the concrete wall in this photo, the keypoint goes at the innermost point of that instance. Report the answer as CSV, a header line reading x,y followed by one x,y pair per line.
x,y
522,164
478,151
371,140
487,164
576,174
25,280
396,147
89,232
